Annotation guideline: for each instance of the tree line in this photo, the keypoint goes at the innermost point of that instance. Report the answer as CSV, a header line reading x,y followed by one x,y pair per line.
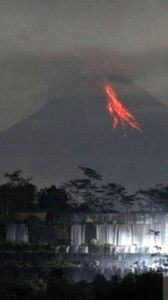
x,y
86,194
58,286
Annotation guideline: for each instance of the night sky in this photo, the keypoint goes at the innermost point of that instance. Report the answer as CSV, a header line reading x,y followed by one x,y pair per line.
x,y
54,59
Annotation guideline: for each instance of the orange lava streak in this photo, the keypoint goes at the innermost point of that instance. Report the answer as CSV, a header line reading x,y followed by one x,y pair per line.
x,y
118,111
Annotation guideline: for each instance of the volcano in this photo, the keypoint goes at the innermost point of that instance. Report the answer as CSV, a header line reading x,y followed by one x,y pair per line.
x,y
76,131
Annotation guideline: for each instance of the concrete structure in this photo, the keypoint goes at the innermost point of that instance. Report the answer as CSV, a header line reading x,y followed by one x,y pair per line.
x,y
129,233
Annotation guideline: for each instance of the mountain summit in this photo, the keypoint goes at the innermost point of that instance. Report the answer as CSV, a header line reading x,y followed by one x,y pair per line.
x,y
77,131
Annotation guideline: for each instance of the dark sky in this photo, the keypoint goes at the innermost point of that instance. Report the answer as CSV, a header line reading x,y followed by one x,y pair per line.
x,y
52,50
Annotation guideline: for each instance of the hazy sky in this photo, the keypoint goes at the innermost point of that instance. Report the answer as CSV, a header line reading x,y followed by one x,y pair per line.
x,y
47,46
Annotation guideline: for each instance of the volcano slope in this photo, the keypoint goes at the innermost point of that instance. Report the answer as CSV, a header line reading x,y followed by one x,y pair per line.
x,y
77,131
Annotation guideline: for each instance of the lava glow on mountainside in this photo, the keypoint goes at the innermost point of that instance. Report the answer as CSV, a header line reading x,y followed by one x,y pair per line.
x,y
118,111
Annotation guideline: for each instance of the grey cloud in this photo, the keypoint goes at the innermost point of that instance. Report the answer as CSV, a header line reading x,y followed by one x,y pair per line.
x,y
54,26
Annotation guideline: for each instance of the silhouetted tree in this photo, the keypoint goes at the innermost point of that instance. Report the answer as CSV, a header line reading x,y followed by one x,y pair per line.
x,y
115,198
159,196
155,199
91,174
84,192
53,199
16,179
18,193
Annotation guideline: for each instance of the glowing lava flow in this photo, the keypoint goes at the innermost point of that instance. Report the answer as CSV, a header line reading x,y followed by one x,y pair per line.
x,y
118,111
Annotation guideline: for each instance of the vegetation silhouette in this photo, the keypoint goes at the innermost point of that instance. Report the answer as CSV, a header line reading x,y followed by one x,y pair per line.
x,y
86,194
59,287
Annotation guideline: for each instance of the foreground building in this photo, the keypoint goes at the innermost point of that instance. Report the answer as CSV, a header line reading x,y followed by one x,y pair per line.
x,y
115,232
128,233
113,241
